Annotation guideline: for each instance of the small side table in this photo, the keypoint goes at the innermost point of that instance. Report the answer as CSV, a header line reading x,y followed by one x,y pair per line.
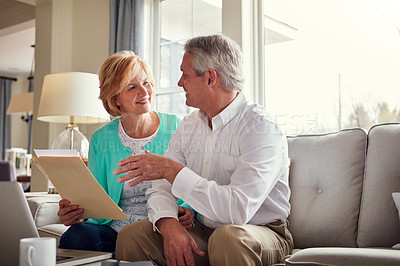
x,y
24,178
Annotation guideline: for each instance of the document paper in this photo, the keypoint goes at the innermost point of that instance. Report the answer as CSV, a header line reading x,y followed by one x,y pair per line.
x,y
73,181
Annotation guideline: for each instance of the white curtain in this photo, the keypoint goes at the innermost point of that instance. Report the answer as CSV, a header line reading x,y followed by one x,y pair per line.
x,y
126,29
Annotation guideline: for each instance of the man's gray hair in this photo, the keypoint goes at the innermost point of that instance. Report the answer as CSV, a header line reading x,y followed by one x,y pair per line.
x,y
220,53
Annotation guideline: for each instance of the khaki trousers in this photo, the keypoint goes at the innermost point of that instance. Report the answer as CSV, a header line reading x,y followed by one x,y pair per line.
x,y
226,245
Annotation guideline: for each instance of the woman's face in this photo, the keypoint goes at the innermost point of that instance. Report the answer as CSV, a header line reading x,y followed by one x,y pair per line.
x,y
136,97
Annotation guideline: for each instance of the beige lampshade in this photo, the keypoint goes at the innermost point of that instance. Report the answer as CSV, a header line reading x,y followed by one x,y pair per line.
x,y
21,103
71,96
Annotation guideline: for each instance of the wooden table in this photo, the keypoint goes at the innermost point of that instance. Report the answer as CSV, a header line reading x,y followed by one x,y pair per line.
x,y
24,178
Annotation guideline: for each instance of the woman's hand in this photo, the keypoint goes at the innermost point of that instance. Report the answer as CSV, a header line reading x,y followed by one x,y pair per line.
x,y
69,213
186,217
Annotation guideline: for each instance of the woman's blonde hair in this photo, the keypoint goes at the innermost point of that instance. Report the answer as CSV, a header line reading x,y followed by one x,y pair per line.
x,y
116,73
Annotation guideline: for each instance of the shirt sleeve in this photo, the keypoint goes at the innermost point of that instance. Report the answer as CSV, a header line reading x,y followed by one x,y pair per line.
x,y
160,201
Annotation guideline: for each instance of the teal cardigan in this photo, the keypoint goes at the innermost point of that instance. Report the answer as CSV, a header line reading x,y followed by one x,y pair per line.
x,y
106,150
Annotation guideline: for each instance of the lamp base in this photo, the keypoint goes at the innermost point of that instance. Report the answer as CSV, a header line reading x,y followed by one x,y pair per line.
x,y
72,138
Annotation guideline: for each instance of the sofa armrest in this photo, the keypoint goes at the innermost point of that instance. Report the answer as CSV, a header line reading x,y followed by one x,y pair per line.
x,y
53,230
44,209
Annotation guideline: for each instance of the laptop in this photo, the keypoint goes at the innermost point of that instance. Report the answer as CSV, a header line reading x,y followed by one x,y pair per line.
x,y
16,222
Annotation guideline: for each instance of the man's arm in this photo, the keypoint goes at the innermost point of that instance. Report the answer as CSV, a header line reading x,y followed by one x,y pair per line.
x,y
178,243
150,167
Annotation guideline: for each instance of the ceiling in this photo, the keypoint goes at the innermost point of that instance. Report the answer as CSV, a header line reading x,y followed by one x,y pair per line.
x,y
17,35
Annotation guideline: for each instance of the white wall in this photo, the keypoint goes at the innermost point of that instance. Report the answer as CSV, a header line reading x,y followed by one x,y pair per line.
x,y
70,36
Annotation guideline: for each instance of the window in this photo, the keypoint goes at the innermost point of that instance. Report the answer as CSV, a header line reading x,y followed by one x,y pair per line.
x,y
180,20
335,66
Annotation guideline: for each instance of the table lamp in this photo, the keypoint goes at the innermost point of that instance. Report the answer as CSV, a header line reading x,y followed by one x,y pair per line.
x,y
71,97
21,103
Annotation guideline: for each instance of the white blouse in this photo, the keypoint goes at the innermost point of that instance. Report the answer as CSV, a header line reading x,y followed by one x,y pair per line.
x,y
133,202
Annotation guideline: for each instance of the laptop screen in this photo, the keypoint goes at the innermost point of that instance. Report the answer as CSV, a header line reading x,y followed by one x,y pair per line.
x,y
16,221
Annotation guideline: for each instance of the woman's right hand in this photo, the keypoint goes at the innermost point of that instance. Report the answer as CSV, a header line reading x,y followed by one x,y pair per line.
x,y
186,217
69,213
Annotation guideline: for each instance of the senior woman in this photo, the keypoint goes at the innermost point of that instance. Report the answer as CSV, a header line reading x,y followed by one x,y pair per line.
x,y
126,90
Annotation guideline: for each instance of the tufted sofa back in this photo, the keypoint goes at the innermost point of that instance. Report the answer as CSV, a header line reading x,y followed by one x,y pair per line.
x,y
326,179
341,188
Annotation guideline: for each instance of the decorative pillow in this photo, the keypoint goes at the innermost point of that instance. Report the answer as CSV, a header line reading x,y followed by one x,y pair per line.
x,y
396,198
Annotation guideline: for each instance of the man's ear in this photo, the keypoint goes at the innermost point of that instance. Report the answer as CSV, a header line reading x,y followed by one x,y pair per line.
x,y
212,77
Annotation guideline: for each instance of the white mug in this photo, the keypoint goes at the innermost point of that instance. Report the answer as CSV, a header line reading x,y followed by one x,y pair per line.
x,y
37,251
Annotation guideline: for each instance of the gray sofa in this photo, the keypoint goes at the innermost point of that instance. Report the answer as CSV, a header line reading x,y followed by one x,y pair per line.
x,y
342,207
343,212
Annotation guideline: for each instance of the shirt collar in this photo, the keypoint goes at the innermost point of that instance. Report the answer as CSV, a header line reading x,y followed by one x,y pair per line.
x,y
229,112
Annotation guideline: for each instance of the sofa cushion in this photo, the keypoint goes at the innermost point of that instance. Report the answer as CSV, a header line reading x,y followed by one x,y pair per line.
x,y
345,257
326,175
379,224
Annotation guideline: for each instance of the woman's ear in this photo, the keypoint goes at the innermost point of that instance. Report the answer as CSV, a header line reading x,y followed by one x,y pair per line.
x,y
116,100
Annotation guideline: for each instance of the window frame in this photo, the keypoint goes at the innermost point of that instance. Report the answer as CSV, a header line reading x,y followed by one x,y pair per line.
x,y
242,21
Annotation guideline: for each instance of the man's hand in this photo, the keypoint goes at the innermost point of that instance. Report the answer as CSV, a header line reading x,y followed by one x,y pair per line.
x,y
147,167
69,214
186,217
179,245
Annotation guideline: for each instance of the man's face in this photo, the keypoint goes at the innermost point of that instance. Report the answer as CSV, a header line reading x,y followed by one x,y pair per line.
x,y
193,85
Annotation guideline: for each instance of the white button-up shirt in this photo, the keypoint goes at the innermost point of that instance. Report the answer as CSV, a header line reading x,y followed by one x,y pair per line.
x,y
236,172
